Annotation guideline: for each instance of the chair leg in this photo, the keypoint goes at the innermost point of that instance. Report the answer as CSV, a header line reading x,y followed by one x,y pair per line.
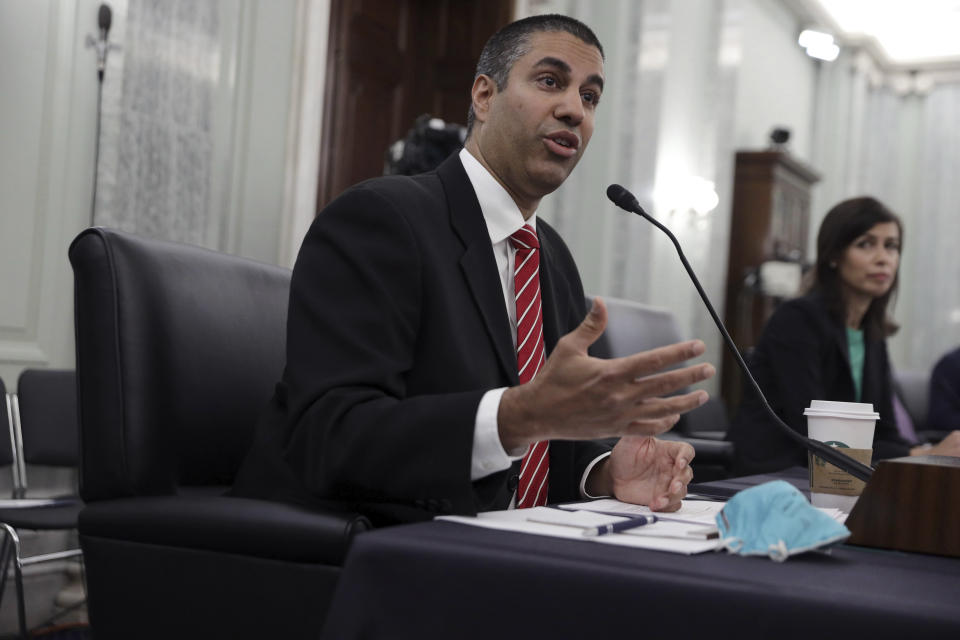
x,y
5,547
18,575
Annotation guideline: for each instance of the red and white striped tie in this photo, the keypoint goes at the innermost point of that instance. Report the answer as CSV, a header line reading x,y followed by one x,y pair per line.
x,y
532,489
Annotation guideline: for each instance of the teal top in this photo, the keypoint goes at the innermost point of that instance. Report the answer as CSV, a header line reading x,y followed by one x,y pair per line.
x,y
857,353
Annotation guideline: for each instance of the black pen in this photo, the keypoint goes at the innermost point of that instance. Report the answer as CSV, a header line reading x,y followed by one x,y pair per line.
x,y
623,525
660,518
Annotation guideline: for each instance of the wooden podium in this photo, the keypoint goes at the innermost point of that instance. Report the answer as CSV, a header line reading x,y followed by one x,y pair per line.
x,y
910,504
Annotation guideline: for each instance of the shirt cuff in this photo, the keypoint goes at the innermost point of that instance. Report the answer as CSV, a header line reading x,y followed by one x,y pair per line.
x,y
489,455
586,474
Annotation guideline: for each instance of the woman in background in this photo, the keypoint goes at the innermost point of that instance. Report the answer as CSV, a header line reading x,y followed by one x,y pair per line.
x,y
830,344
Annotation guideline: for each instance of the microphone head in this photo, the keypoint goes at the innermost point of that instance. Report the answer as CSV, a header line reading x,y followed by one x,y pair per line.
x,y
623,198
104,18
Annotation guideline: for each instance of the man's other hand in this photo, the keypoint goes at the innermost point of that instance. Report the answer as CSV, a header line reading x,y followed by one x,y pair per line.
x,y
647,471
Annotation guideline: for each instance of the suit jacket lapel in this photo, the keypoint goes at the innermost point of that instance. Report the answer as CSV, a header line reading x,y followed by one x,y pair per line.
x,y
478,263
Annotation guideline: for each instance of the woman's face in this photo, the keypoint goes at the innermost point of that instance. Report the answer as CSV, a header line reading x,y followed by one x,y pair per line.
x,y
868,266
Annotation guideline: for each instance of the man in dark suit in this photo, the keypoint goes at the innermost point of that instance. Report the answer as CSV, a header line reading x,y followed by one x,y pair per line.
x,y
402,393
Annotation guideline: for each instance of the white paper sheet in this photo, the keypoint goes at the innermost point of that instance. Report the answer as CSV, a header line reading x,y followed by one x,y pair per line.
x,y
694,511
571,524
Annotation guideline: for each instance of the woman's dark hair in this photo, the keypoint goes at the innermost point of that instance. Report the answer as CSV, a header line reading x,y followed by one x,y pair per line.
x,y
842,225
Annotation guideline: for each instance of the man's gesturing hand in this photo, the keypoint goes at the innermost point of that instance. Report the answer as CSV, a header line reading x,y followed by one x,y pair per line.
x,y
577,397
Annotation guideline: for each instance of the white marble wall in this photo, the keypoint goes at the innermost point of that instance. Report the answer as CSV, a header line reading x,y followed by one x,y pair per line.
x,y
895,137
197,133
197,109
692,81
47,99
201,121
157,138
668,112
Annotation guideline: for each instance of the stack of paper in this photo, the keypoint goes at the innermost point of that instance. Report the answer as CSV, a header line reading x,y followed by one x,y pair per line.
x,y
689,530
695,511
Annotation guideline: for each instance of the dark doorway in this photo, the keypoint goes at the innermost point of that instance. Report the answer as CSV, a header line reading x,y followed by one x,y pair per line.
x,y
388,62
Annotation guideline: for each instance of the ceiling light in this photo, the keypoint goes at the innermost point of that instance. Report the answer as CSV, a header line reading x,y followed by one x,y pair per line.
x,y
690,194
810,38
818,45
907,32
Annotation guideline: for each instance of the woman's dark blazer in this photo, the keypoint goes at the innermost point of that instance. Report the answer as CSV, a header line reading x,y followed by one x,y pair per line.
x,y
397,326
802,355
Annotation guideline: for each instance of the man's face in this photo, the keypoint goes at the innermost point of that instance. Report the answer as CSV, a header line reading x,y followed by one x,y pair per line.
x,y
531,134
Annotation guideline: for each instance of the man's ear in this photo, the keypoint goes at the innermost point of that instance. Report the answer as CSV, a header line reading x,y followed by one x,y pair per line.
x,y
483,91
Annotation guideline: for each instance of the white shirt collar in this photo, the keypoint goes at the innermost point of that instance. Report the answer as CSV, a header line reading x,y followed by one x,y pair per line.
x,y
501,213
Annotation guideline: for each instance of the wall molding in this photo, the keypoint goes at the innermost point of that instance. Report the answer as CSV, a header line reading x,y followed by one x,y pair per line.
x,y
304,126
29,353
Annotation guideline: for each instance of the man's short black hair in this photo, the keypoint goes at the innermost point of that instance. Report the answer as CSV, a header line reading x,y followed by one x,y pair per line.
x,y
512,42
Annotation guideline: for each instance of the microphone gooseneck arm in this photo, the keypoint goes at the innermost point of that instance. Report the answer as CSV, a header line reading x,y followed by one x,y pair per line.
x,y
626,201
102,46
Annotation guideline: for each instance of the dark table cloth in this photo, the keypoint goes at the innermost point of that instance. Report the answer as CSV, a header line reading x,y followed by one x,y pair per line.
x,y
449,580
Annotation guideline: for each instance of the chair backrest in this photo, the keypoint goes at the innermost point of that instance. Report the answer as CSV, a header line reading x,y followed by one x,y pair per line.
x,y
178,350
913,387
633,327
49,426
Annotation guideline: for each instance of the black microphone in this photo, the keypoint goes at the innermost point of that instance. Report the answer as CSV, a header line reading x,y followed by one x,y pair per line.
x,y
626,201
101,44
104,18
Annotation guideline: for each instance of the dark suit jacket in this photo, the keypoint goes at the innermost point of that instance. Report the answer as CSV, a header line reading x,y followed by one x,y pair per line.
x,y
944,414
397,327
802,355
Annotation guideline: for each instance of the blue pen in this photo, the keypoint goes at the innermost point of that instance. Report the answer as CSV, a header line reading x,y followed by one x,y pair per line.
x,y
623,525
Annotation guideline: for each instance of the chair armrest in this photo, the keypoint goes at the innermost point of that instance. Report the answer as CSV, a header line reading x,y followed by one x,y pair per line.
x,y
226,524
931,435
709,452
710,418
709,435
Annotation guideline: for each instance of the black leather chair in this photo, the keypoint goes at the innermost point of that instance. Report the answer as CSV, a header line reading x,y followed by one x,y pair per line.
x,y
43,432
178,349
912,386
7,438
633,327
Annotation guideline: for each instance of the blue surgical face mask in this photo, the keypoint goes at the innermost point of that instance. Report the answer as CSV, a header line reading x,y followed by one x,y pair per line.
x,y
774,519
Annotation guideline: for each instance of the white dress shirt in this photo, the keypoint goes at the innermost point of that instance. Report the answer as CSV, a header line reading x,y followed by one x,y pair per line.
x,y
503,218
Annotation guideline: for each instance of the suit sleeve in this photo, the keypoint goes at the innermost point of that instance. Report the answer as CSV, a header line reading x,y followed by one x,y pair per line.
x,y
353,323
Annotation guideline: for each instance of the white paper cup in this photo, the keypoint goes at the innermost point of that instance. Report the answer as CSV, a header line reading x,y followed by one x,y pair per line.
x,y
845,425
